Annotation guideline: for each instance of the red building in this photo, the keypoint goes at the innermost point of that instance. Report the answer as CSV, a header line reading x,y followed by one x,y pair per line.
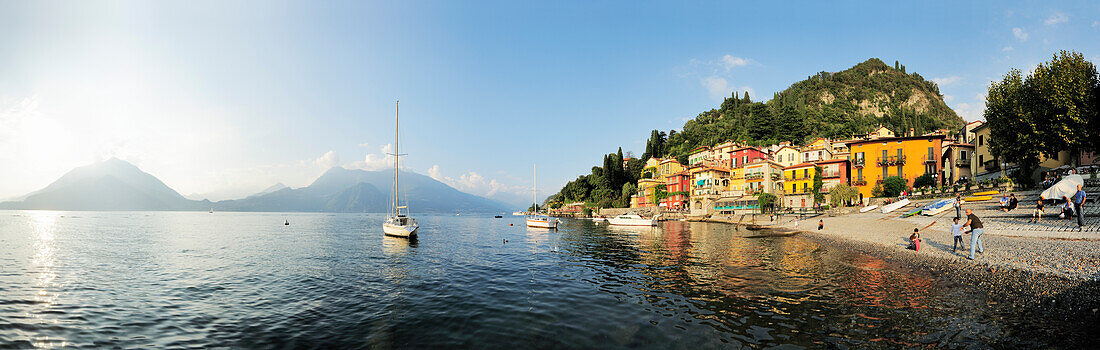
x,y
677,182
745,155
834,172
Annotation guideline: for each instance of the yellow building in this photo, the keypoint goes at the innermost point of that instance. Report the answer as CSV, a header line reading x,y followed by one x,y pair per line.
x,y
699,155
907,157
646,194
787,156
667,167
798,185
737,183
818,150
984,165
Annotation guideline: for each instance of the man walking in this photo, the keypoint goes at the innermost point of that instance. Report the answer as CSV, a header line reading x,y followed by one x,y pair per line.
x,y
976,231
1078,201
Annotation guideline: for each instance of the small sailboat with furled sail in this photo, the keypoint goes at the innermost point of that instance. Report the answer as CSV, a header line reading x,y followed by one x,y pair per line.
x,y
536,220
398,223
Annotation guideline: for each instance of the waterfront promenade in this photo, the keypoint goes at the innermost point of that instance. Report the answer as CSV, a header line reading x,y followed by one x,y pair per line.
x,y
1053,246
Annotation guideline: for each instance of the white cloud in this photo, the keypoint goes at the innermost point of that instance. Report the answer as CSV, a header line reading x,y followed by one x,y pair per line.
x,y
947,80
328,160
364,144
1019,33
717,87
1056,18
375,161
1007,49
473,183
971,111
729,62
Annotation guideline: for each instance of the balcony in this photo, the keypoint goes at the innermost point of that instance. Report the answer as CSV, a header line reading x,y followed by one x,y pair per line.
x,y
891,161
965,162
930,159
776,177
830,174
860,182
754,176
797,177
858,162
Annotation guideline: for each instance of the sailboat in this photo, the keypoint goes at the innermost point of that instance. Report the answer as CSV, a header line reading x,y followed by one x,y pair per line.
x,y
536,220
398,223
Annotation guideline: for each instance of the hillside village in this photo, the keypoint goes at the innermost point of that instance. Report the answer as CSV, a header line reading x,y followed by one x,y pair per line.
x,y
731,177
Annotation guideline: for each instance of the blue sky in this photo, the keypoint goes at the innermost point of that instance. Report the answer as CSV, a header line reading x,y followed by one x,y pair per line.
x,y
222,99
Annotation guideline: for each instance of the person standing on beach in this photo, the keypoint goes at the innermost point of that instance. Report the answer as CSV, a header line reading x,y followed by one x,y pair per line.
x,y
1078,201
976,231
958,206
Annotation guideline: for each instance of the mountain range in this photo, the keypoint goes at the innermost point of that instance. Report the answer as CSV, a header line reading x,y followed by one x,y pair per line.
x,y
115,184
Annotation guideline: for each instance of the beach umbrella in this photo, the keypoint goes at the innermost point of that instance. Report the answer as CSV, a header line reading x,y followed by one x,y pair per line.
x,y
1064,188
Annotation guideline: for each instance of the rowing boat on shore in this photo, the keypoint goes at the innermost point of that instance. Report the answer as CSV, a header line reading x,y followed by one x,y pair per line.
x,y
938,206
986,193
868,208
894,206
977,198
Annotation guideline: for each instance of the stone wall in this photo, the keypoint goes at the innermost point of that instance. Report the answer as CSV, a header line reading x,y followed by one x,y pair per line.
x,y
649,211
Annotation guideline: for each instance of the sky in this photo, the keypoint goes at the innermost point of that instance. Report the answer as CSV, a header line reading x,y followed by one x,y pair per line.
x,y
221,99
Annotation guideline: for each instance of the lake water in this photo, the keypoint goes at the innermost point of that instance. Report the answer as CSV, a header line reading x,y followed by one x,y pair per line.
x,y
161,279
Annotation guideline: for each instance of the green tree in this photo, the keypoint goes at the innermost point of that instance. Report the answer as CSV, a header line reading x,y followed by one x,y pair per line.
x,y
1063,103
766,201
818,183
629,189
893,185
925,180
842,194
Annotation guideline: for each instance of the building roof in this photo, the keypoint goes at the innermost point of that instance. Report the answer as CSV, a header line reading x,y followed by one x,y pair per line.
x,y
787,147
835,160
799,166
903,138
747,147
976,121
707,167
979,127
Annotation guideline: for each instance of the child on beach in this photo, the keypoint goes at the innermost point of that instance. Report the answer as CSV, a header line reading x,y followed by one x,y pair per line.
x,y
956,231
914,240
820,224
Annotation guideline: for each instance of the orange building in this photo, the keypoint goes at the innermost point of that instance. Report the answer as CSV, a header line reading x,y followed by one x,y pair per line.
x,y
908,157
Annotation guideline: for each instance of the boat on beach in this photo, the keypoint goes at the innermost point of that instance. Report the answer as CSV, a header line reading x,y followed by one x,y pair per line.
x,y
398,223
977,198
986,193
868,208
632,220
938,206
894,206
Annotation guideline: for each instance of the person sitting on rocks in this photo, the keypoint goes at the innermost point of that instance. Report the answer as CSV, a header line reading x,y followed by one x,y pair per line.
x,y
1067,209
1004,202
1011,204
914,240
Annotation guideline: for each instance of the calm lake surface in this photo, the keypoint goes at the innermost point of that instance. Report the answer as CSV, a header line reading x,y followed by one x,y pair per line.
x,y
171,279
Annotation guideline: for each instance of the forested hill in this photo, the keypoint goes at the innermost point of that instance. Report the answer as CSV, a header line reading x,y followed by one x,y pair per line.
x,y
832,105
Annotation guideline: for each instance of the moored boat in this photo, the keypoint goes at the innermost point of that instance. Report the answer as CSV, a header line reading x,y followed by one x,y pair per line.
x,y
868,208
398,223
536,220
632,220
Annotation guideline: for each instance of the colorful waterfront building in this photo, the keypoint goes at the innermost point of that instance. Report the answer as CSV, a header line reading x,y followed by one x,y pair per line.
x,y
907,157
666,167
737,183
834,172
707,185
956,162
787,156
720,153
798,184
646,195
763,176
699,155
818,150
988,166
678,186
745,155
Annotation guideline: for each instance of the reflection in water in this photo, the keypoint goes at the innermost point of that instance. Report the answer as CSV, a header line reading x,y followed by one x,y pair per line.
x,y
43,227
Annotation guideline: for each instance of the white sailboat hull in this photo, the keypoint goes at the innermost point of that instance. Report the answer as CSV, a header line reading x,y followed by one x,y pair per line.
x,y
632,222
540,223
400,230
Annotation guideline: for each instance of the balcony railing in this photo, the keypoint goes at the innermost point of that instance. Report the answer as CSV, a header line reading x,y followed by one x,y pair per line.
x,y
858,162
830,175
931,159
891,161
797,177
754,176
860,182
776,177
962,162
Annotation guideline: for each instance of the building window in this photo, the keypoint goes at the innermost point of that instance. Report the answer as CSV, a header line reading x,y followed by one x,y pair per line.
x,y
981,158
962,154
859,174
981,140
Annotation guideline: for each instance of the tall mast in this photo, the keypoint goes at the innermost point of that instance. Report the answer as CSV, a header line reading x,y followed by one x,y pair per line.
x,y
396,156
535,188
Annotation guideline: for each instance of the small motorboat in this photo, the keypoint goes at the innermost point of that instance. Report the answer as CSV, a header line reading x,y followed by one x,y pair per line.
x,y
895,205
938,206
633,220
